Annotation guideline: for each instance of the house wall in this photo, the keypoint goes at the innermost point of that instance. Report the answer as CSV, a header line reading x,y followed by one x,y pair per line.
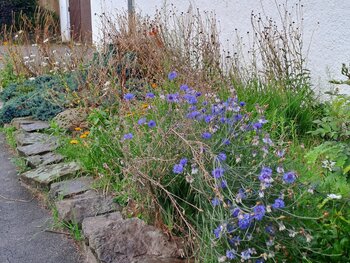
x,y
326,28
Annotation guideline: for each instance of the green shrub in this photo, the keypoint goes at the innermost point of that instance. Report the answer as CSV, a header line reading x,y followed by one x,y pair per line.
x,y
43,98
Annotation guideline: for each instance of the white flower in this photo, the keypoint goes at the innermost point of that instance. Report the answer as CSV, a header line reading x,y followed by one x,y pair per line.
x,y
308,238
31,79
334,196
194,171
46,40
222,259
281,226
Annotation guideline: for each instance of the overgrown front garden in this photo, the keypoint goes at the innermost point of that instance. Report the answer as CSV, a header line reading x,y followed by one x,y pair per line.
x,y
237,163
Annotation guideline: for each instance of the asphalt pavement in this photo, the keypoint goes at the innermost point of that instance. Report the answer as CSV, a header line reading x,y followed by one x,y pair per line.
x,y
24,223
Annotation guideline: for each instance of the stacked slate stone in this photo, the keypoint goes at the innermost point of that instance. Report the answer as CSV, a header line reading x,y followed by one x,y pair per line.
x,y
108,236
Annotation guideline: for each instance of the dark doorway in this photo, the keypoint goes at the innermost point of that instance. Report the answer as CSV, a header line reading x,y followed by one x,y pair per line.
x,y
80,20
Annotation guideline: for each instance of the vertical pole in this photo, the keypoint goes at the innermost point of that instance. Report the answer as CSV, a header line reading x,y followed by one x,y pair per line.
x,y
131,15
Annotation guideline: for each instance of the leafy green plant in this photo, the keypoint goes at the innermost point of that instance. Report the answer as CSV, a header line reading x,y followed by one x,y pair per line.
x,y
43,98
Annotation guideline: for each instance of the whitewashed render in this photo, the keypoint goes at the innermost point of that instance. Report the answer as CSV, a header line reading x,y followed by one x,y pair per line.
x,y
326,26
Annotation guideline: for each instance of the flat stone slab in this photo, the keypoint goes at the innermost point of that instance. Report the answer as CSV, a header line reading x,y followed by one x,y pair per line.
x,y
25,138
120,240
71,187
45,175
88,204
37,148
32,126
46,159
16,122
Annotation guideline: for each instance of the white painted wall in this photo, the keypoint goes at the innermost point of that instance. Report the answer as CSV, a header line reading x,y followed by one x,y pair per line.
x,y
64,20
100,7
329,40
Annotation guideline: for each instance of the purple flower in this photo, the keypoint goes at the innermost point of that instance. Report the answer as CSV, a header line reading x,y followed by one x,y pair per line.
x,y
151,124
183,161
222,156
215,202
235,241
231,254
226,142
206,135
259,212
178,169
129,96
198,94
141,121
257,126
171,98
235,212
280,153
218,172
238,117
246,254
244,222
184,87
208,118
260,260
191,99
128,136
193,114
270,230
289,177
242,103
217,231
279,203
223,120
266,175
172,75
223,184
150,95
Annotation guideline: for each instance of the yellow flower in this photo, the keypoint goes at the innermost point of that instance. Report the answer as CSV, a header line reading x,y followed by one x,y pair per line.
x,y
77,129
83,136
86,133
145,106
73,142
154,85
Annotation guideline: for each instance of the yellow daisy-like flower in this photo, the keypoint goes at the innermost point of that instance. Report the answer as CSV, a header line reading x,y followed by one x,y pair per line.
x,y
74,142
145,106
154,85
86,133
83,136
77,129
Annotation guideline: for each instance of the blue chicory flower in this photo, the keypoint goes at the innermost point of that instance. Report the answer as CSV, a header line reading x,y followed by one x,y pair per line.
x,y
244,222
222,156
266,175
150,95
279,203
289,177
151,124
217,231
183,161
223,184
178,169
128,136
129,96
259,212
172,75
141,121
231,254
184,87
206,135
215,202
246,254
218,172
